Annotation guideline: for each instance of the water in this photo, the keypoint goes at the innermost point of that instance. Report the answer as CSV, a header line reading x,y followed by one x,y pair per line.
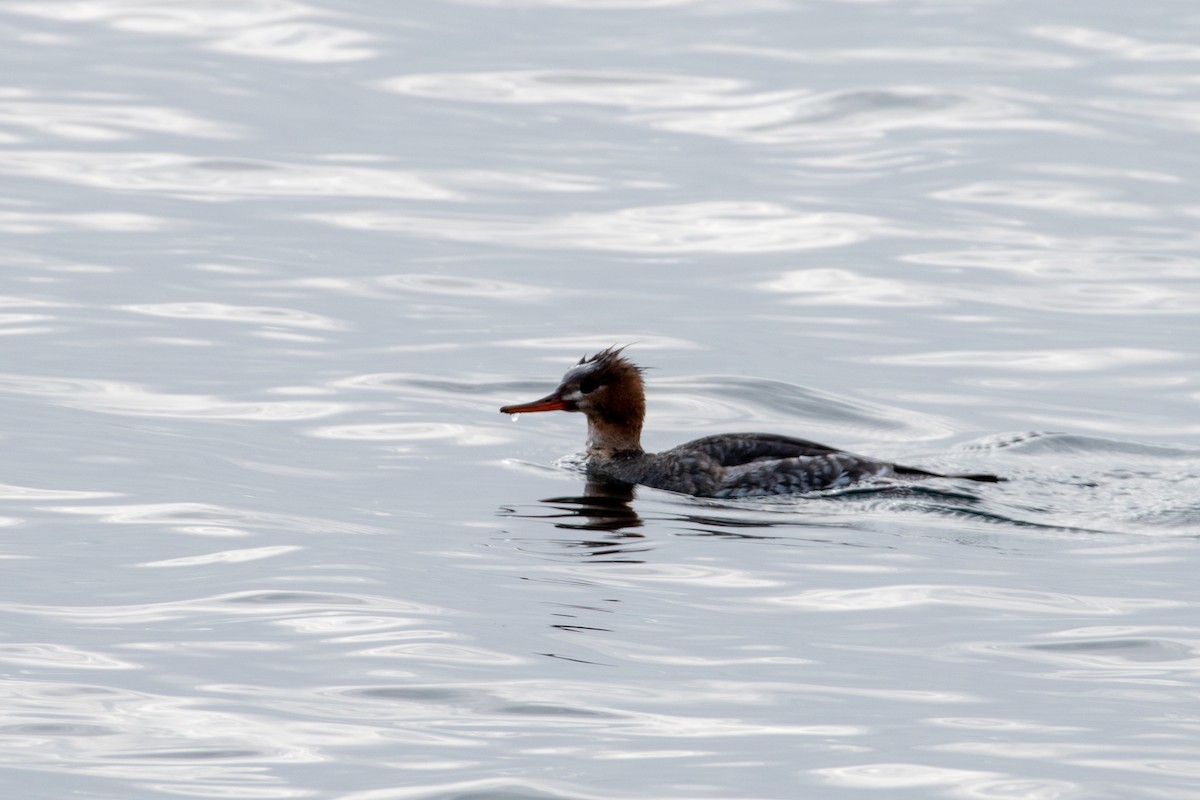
x,y
270,269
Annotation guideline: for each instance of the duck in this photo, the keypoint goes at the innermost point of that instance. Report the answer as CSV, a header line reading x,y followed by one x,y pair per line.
x,y
609,390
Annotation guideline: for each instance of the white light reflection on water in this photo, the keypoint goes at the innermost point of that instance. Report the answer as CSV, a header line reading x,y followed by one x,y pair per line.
x,y
1117,44
1099,287
223,312
224,556
10,492
1047,196
1148,655
593,88
722,108
100,119
273,606
269,29
54,656
958,55
211,179
41,222
843,287
714,227
990,597
217,179
115,397
441,284
409,431
208,520
863,114
965,783
1078,360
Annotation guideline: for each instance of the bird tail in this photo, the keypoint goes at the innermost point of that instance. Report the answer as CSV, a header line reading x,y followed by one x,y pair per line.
x,y
981,477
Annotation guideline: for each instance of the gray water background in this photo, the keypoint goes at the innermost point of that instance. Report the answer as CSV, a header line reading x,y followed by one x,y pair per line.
x,y
269,269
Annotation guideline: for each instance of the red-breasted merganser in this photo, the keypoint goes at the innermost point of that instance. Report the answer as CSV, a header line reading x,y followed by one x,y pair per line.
x,y
608,389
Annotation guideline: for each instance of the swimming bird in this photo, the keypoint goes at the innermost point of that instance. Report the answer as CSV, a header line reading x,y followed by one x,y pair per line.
x,y
609,390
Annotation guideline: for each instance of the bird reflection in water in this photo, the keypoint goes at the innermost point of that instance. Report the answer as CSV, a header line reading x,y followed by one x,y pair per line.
x,y
607,506
603,506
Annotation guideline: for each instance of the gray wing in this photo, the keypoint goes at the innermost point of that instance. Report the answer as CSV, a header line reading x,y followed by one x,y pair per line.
x,y
734,449
799,474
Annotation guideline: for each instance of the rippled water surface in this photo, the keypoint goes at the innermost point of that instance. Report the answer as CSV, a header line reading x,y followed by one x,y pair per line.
x,y
270,268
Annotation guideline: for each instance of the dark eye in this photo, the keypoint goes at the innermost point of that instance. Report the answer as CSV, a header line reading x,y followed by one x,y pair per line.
x,y
589,385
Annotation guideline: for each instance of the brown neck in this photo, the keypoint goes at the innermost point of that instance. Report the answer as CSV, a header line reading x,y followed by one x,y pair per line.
x,y
611,437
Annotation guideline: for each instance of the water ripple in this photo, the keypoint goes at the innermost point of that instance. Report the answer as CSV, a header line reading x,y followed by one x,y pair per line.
x,y
712,227
224,557
143,737
1168,114
480,788
896,776
845,287
988,725
991,597
109,121
12,492
1042,360
224,312
27,222
410,431
296,41
1118,44
973,784
1067,198
724,108
1093,291
959,55
441,284
225,179
58,656
607,88
735,399
127,399
1130,654
208,519
803,116
281,607
271,29
209,179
